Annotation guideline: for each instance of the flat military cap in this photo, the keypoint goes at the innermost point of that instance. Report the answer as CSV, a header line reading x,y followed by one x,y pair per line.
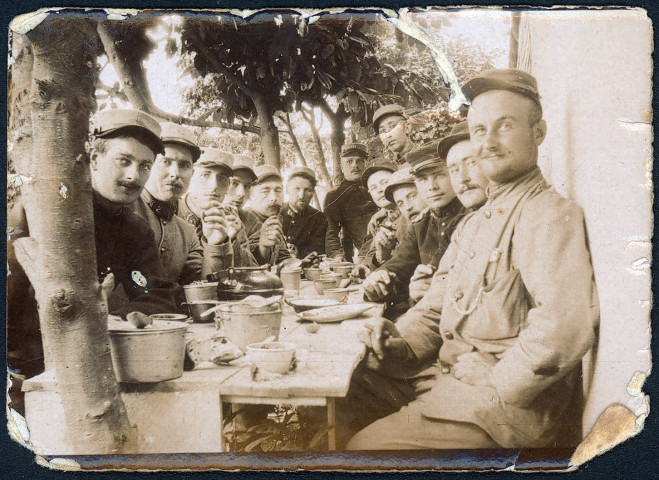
x,y
303,172
263,172
385,111
511,79
110,122
459,132
400,178
423,156
354,149
244,163
378,166
214,157
175,133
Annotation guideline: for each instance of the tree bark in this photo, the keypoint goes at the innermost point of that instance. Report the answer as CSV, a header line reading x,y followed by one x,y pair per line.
x,y
59,257
269,133
337,136
310,118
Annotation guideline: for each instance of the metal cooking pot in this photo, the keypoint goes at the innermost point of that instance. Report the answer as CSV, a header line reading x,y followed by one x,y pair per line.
x,y
240,282
151,354
199,291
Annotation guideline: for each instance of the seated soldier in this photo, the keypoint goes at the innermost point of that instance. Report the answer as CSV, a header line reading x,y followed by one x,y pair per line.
x,y
348,207
267,198
375,178
402,192
186,258
512,308
427,237
124,146
304,227
469,184
207,190
389,123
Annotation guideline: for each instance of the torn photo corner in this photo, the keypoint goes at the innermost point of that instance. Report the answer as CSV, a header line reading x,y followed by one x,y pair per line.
x,y
479,184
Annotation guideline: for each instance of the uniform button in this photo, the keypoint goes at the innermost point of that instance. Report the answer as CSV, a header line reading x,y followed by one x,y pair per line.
x,y
448,335
443,233
472,254
162,249
443,224
458,295
446,369
487,214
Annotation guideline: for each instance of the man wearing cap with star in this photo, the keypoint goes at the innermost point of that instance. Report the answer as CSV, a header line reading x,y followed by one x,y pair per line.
x,y
518,309
123,149
266,201
427,237
348,207
389,123
304,227
469,185
208,187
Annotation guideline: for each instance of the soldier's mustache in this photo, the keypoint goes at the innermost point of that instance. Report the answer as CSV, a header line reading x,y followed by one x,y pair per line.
x,y
129,185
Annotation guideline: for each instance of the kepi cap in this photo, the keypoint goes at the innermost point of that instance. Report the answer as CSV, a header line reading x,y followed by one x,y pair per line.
x,y
378,166
175,133
112,121
244,163
303,172
423,156
511,79
214,157
385,111
459,132
354,149
398,179
263,172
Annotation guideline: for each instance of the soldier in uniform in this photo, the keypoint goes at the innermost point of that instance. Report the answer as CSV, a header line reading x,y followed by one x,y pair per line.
x,y
124,146
268,244
469,185
428,236
389,123
208,187
349,206
516,297
185,256
304,227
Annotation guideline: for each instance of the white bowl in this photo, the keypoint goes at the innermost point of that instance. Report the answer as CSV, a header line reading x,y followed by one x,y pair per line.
x,y
276,357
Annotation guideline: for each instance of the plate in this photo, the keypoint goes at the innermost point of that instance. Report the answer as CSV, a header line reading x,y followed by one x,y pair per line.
x,y
303,304
337,313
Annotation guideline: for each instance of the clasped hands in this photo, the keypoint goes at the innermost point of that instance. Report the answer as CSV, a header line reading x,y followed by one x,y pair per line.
x,y
219,224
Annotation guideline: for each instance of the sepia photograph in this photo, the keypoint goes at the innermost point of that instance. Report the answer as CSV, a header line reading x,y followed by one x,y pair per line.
x,y
355,239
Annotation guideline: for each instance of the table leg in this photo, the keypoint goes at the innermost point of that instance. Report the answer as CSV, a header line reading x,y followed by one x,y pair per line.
x,y
222,446
331,424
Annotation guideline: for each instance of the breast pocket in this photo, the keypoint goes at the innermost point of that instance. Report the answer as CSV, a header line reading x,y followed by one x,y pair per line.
x,y
501,311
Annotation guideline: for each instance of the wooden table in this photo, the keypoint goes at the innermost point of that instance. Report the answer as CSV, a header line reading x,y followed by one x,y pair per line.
x,y
185,415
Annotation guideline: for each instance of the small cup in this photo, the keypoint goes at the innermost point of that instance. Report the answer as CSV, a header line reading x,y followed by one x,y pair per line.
x,y
275,357
291,281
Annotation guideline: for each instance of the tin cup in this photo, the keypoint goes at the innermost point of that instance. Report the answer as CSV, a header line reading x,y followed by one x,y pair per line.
x,y
290,278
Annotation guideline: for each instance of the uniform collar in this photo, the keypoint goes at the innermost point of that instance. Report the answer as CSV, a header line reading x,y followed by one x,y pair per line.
x,y
163,210
450,210
500,193
110,209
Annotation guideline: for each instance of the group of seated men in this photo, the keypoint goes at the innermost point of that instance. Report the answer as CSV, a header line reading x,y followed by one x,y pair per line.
x,y
494,262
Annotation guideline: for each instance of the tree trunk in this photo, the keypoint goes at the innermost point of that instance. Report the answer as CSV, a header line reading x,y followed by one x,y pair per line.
x,y
59,257
269,133
320,152
337,137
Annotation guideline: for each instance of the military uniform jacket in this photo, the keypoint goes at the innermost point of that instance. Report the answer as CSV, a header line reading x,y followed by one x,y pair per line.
x,y
518,287
185,257
239,251
306,230
425,241
349,206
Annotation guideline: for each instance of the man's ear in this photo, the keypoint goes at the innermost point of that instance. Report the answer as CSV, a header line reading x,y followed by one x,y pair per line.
x,y
540,132
92,159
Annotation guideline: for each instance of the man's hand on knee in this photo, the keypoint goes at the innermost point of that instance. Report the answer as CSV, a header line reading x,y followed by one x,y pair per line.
x,y
475,368
383,340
